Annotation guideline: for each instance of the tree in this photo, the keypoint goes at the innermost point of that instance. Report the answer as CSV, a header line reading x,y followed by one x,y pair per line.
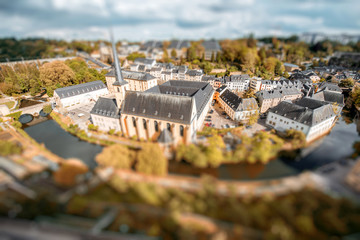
x,y
47,109
278,69
173,53
253,118
135,55
151,160
9,148
249,93
116,156
296,138
69,170
346,83
55,74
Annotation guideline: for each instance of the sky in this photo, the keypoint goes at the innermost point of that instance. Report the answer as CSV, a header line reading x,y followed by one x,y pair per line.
x,y
136,20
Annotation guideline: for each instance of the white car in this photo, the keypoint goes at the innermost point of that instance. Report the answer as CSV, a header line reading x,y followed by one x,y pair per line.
x,y
80,114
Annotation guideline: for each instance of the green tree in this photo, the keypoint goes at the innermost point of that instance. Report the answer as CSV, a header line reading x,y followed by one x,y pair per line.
x,y
249,93
47,109
253,118
135,55
151,160
296,138
92,127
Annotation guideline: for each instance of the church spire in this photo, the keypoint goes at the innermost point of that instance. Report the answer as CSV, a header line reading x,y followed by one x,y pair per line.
x,y
118,74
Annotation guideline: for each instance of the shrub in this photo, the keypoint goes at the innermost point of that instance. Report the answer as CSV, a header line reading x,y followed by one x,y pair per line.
x,y
15,115
116,156
111,131
16,124
92,127
9,148
47,109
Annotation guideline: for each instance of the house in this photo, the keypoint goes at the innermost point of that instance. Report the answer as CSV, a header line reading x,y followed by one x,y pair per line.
x,y
212,49
137,81
152,49
81,93
210,79
106,114
289,67
336,99
147,62
193,75
313,117
258,84
218,92
238,109
178,106
269,99
329,87
180,47
238,83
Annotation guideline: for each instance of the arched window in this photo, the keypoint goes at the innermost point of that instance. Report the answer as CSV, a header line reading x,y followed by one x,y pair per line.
x,y
134,121
156,126
168,126
144,122
181,130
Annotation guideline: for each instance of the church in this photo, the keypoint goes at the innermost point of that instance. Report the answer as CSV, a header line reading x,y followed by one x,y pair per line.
x,y
175,109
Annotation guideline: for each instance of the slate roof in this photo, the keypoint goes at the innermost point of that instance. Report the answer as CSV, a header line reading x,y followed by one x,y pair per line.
x,y
211,45
170,101
144,61
306,111
291,65
192,72
152,44
237,103
240,77
158,106
79,89
331,97
106,107
179,44
141,76
329,87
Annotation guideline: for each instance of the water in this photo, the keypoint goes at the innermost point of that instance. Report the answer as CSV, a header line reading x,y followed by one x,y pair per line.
x,y
335,146
62,143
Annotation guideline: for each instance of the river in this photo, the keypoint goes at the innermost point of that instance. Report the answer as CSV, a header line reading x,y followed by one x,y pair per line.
x,y
335,146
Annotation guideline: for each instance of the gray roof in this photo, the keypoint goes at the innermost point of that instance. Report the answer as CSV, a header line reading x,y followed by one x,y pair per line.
x,y
153,44
237,103
145,61
106,107
172,101
240,77
277,93
329,87
211,45
193,72
142,76
331,97
179,44
306,111
158,106
78,89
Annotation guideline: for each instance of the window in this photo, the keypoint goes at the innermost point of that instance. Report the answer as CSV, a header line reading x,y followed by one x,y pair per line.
x,y
134,121
168,126
181,130
156,126
144,122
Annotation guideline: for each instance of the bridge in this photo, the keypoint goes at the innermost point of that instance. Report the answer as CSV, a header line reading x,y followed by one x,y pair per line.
x,y
31,109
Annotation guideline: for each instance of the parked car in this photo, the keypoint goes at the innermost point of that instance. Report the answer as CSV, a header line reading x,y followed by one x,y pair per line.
x,y
211,111
81,115
227,117
223,113
227,125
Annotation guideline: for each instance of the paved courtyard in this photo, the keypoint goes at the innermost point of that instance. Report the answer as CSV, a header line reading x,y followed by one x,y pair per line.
x,y
74,111
217,119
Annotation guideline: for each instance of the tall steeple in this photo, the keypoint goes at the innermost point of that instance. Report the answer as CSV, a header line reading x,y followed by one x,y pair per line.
x,y
118,75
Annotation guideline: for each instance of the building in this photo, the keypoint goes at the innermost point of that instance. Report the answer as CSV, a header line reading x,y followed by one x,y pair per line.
x,y
178,106
193,75
147,62
313,117
289,67
106,114
238,83
152,49
258,84
137,81
325,86
81,93
336,99
269,99
180,47
212,49
238,109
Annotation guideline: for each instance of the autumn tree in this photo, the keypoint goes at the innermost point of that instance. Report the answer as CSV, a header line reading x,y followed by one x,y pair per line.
x,y
249,93
9,148
346,83
151,160
55,74
116,156
69,170
296,138
173,53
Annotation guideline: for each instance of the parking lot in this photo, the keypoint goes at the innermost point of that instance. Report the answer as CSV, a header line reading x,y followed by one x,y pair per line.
x,y
217,119
80,114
